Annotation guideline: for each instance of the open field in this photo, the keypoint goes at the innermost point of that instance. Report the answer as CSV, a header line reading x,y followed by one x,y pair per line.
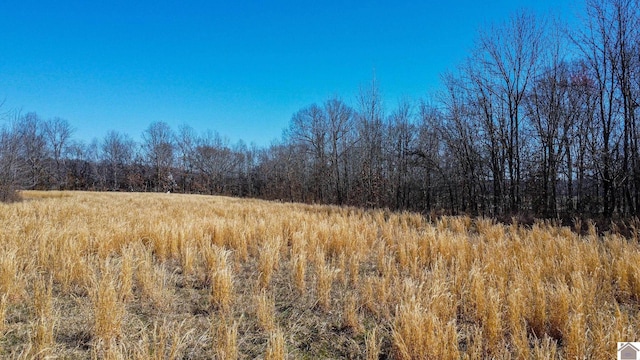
x,y
167,276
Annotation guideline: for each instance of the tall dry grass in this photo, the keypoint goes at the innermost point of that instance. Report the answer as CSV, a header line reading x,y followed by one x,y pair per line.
x,y
42,339
276,348
116,275
108,305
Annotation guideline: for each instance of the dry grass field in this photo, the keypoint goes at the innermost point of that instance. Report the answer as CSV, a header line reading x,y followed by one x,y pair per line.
x,y
167,276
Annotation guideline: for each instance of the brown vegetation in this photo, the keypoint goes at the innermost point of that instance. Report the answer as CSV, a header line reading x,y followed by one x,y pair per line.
x,y
115,275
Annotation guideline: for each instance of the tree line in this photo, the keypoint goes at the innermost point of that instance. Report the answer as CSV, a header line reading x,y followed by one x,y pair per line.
x,y
540,119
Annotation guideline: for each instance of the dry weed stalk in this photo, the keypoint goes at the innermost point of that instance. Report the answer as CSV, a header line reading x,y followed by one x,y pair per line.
x,y
168,341
108,307
42,341
265,309
222,289
372,345
354,268
419,334
215,258
3,313
226,340
151,280
188,259
350,316
268,260
325,275
299,270
276,349
126,275
8,273
516,322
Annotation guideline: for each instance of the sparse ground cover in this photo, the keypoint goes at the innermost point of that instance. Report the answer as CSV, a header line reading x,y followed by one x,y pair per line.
x,y
167,276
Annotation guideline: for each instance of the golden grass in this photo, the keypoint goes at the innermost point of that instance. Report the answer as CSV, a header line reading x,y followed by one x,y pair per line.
x,y
350,316
222,289
42,341
167,276
226,340
276,349
108,307
268,260
372,345
265,310
299,271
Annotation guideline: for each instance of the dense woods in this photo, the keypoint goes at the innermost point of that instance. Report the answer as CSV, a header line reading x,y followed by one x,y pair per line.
x,y
540,120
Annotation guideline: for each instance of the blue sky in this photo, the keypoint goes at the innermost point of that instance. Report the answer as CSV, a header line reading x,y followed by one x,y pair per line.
x,y
241,68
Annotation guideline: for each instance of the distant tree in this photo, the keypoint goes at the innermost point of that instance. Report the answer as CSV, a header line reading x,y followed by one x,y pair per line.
x,y
597,44
623,17
308,132
459,131
12,166
340,132
552,120
508,56
401,138
186,142
57,133
583,150
369,127
78,168
33,150
215,161
427,157
117,153
158,146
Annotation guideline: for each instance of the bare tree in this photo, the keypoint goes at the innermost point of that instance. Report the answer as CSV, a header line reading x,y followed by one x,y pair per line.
x,y
370,144
309,132
427,155
33,150
117,152
12,167
401,136
493,132
459,131
509,54
186,141
597,45
340,127
216,161
158,148
57,133
551,120
625,19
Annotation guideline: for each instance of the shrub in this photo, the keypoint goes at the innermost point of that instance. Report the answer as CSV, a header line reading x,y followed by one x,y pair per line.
x,y
8,194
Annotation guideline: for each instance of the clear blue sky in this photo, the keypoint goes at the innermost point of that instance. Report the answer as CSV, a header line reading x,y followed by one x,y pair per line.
x,y
241,68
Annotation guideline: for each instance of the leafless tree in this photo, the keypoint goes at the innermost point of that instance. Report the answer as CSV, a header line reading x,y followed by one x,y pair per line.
x,y
597,45
309,132
57,133
340,129
625,21
158,146
492,126
401,137
427,158
186,142
214,158
12,167
117,152
370,144
458,129
509,56
33,150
